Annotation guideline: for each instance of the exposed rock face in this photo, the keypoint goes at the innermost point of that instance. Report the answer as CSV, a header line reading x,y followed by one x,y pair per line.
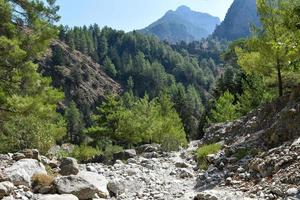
x,y
68,166
261,153
21,172
238,20
82,80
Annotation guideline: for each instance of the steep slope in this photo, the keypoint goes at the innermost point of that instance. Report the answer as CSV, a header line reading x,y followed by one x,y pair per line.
x,y
81,79
239,17
182,25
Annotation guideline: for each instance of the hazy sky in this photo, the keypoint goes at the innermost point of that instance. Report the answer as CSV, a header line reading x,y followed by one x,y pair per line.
x,y
131,14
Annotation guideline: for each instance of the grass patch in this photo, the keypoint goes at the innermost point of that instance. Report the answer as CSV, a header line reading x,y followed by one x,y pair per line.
x,y
243,152
205,150
84,152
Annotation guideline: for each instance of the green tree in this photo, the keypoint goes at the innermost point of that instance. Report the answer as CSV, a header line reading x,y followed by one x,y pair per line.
x,y
273,50
28,117
224,110
75,123
109,67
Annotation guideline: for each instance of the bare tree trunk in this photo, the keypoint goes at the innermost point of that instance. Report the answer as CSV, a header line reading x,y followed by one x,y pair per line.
x,y
279,77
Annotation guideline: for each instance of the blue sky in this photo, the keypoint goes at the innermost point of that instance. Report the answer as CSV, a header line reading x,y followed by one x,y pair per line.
x,y
130,14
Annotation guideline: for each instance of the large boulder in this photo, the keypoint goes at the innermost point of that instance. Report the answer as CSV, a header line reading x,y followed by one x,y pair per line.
x,y
69,166
75,185
98,181
6,188
21,172
124,155
57,197
116,187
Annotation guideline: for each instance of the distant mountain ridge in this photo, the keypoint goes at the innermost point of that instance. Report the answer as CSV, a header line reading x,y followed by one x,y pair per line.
x,y
182,25
239,17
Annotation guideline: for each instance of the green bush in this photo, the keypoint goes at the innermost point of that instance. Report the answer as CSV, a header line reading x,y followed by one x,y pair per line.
x,y
241,153
111,150
84,152
205,150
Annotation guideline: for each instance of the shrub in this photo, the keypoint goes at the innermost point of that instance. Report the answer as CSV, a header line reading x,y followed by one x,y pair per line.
x,y
42,180
204,151
84,152
241,153
111,150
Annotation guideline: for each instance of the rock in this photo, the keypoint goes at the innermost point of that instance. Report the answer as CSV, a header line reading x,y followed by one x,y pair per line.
x,y
36,154
148,148
292,191
296,143
131,172
75,185
53,163
57,197
116,187
184,173
98,181
18,156
21,172
6,188
181,165
44,160
69,166
228,181
240,170
27,152
91,169
125,154
205,196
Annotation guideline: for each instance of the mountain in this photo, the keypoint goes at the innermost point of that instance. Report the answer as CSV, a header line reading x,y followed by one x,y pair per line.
x,y
239,17
182,25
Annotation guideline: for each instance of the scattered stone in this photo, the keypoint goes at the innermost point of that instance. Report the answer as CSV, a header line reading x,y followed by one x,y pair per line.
x,y
6,188
18,156
57,197
181,165
292,191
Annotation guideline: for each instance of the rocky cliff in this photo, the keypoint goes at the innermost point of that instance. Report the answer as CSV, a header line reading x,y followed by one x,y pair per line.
x,y
239,18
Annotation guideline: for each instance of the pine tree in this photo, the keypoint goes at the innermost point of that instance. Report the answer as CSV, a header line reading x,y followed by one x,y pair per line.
x,y
224,110
28,117
109,67
75,123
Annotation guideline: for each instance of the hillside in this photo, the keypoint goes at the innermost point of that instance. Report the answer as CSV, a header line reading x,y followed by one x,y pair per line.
x,y
182,25
238,20
81,79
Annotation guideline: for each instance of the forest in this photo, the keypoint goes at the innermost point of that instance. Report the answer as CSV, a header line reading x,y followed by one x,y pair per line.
x,y
170,92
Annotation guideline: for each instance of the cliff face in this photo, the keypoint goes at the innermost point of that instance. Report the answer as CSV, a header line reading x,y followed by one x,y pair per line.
x,y
81,79
238,20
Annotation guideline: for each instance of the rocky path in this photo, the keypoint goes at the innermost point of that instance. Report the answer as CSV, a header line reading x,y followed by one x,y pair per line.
x,y
151,176
162,177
